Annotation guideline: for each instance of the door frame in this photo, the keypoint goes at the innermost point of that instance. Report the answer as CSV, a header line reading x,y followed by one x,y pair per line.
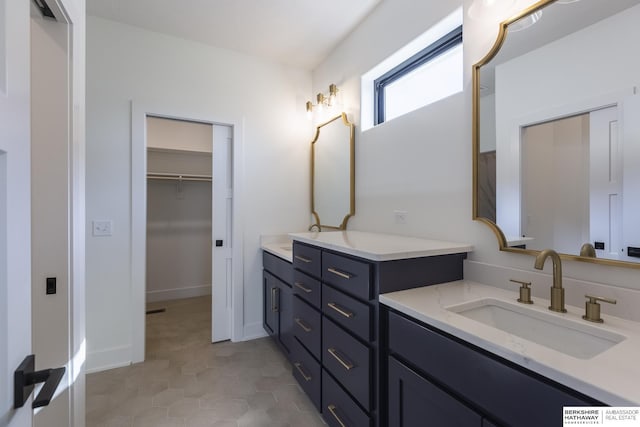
x,y
139,113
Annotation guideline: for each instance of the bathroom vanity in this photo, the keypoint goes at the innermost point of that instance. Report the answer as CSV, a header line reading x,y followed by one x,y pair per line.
x,y
446,360
335,344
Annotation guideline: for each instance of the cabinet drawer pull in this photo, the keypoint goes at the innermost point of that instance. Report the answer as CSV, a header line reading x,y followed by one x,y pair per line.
x,y
345,313
332,409
302,325
303,259
345,363
274,299
339,273
301,286
298,366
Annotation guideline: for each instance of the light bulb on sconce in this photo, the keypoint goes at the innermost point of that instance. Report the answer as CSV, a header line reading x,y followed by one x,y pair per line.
x,y
480,9
323,101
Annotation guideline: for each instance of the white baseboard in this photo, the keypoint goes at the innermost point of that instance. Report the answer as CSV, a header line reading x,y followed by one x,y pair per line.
x,y
111,358
253,331
178,293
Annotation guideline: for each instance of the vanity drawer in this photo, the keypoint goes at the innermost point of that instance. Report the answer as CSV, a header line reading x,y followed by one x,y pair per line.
x,y
306,325
307,371
307,288
481,378
307,258
348,360
338,409
348,312
278,267
348,274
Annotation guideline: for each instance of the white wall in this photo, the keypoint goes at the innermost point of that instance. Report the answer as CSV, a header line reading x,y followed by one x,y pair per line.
x,y
421,162
125,63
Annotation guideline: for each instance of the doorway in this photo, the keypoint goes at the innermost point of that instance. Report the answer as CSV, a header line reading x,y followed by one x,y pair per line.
x,y
220,165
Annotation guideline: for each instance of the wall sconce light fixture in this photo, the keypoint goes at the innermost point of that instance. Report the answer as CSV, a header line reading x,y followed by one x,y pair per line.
x,y
323,100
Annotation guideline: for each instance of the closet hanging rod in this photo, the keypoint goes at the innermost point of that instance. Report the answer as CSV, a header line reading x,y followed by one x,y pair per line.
x,y
179,177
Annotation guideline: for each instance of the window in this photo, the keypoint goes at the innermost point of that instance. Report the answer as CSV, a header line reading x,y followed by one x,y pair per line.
x,y
426,77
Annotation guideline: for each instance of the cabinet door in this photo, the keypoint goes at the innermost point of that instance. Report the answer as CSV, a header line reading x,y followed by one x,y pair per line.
x,y
285,312
270,298
415,402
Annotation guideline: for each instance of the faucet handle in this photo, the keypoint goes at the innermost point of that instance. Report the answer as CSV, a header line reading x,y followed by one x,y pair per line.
x,y
525,291
592,308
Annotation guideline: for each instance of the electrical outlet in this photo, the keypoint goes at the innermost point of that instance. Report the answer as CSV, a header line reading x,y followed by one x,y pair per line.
x,y
401,216
102,228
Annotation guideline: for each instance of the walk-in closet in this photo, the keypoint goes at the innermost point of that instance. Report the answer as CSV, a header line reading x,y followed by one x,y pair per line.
x,y
179,213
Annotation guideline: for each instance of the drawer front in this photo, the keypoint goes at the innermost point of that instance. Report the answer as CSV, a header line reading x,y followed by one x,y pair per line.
x,y
278,267
306,370
348,360
306,326
307,288
307,258
347,274
348,312
338,409
500,389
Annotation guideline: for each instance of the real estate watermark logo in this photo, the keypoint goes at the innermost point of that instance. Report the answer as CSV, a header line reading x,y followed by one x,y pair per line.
x,y
601,416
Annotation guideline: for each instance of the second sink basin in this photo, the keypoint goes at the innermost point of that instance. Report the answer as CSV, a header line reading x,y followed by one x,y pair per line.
x,y
550,330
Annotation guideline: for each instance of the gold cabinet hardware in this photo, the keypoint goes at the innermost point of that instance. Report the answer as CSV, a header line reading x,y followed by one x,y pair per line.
x,y
525,291
345,363
339,273
302,325
592,308
298,366
274,299
302,287
345,313
332,409
303,259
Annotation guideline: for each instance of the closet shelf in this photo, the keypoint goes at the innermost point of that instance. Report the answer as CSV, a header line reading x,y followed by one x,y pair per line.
x,y
178,177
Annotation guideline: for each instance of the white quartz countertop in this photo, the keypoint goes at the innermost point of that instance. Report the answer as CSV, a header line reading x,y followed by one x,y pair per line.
x,y
380,247
612,376
279,245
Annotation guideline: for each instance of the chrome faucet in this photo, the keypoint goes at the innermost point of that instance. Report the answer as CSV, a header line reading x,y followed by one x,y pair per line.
x,y
557,291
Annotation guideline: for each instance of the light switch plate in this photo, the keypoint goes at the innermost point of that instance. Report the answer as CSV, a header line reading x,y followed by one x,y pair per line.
x,y
102,228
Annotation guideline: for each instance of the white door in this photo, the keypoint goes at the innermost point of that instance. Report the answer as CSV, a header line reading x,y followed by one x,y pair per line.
x,y
15,227
222,243
605,183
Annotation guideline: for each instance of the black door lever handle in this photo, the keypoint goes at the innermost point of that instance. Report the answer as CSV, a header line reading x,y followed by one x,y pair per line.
x,y
26,377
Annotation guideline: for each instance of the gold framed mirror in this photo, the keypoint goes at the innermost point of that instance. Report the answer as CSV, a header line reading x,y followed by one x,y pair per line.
x,y
556,132
333,173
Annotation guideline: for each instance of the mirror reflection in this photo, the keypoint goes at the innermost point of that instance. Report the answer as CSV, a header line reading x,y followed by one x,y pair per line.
x,y
332,177
558,137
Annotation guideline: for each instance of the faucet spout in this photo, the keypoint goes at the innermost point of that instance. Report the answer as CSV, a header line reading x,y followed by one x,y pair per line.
x,y
557,291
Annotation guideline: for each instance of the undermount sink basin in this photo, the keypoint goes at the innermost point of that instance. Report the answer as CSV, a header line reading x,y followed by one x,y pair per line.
x,y
548,329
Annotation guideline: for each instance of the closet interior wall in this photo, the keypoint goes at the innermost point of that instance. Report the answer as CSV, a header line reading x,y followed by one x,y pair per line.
x,y
179,211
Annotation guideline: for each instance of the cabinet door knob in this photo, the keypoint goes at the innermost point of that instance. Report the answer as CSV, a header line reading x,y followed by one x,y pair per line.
x,y
302,287
332,409
339,273
298,366
302,325
345,363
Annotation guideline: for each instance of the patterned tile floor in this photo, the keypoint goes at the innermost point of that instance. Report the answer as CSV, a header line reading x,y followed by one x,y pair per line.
x,y
188,382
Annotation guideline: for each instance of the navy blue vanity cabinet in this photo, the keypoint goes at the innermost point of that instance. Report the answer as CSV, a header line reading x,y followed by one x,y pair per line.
x,y
432,374
341,291
277,276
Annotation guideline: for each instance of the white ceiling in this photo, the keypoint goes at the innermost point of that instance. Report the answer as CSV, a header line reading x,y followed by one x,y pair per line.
x,y
300,33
